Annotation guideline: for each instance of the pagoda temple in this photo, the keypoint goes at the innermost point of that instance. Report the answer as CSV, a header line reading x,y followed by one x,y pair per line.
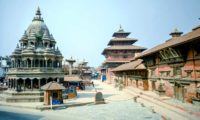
x,y
120,50
36,60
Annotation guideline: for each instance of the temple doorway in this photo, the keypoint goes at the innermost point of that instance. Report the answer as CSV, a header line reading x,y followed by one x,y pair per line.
x,y
179,91
153,84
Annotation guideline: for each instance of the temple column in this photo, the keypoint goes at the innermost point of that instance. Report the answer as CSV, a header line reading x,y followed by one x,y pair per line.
x,y
60,64
11,64
39,83
24,84
52,64
26,63
31,63
46,63
12,84
58,80
8,83
46,81
14,64
21,63
31,84
16,84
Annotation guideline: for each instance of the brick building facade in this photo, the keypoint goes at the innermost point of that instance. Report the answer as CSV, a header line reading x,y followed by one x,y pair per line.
x,y
173,67
121,50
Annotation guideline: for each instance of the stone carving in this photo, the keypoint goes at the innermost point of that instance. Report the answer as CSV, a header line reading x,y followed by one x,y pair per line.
x,y
99,98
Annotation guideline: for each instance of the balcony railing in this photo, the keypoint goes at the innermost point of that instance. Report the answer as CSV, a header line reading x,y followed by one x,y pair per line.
x,y
34,70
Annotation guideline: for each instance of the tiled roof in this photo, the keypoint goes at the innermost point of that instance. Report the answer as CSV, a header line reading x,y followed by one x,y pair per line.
x,y
124,47
134,65
132,40
123,39
115,61
52,86
72,78
173,42
120,33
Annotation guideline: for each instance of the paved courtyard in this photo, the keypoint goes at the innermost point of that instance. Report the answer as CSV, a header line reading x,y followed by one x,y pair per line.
x,y
119,106
123,110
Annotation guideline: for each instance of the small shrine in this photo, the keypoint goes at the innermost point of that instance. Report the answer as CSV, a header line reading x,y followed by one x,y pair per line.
x,y
53,93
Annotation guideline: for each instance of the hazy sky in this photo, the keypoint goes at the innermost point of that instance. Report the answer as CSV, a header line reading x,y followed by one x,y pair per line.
x,y
83,28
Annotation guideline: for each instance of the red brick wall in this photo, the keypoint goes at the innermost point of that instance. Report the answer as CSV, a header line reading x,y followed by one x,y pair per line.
x,y
191,92
169,89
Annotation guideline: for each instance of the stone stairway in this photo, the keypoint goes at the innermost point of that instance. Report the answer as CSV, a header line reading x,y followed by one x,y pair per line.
x,y
155,101
25,96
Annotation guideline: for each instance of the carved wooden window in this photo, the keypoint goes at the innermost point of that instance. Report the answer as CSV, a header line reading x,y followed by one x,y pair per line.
x,y
162,74
167,53
153,72
125,51
124,56
177,71
189,73
168,73
163,55
173,52
197,49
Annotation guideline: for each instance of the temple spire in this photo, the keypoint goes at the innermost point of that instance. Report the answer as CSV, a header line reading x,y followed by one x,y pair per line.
x,y
120,28
176,33
38,15
38,11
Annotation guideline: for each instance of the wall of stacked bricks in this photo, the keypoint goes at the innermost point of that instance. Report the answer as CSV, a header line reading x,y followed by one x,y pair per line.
x,y
190,90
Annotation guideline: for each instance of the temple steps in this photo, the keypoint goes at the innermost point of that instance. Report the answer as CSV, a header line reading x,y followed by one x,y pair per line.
x,y
25,96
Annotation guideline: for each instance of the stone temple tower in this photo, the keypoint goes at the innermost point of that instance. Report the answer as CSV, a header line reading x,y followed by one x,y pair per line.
x,y
36,60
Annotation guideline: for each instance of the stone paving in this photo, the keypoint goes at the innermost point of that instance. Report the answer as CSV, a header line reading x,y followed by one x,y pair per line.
x,y
119,106
166,106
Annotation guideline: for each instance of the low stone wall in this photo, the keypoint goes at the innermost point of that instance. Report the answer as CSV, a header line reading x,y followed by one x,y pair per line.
x,y
28,96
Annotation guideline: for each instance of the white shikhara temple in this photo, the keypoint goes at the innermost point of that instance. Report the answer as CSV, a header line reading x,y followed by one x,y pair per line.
x,y
35,61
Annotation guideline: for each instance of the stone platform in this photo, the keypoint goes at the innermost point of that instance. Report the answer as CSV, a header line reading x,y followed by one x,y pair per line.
x,y
24,96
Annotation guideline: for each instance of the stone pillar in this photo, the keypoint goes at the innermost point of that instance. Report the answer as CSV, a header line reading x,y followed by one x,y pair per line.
x,y
31,84
46,81
46,63
60,64
24,84
58,80
8,82
12,84
14,64
31,63
16,84
21,63
26,63
52,64
39,83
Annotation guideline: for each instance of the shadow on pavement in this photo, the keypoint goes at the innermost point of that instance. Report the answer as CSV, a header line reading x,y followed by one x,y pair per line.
x,y
4,115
